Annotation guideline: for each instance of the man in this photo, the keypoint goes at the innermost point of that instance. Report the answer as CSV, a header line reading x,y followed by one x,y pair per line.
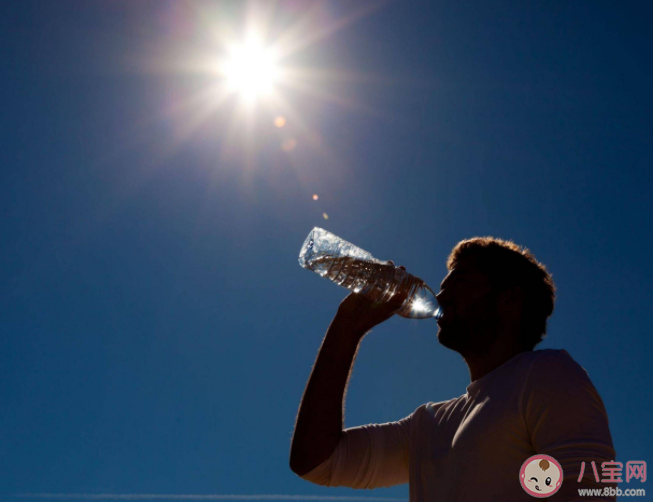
x,y
521,402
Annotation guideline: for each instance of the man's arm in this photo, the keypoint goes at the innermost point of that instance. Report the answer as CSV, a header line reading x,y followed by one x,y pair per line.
x,y
320,419
319,425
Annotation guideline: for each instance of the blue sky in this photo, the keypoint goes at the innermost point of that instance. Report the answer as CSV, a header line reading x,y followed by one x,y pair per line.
x,y
157,331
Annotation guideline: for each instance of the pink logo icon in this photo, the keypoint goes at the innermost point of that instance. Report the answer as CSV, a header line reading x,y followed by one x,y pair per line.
x,y
541,476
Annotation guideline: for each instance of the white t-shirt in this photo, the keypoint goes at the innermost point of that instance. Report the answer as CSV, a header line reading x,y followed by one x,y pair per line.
x,y
471,448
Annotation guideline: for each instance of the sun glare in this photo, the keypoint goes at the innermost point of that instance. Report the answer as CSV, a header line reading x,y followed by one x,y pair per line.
x,y
257,59
419,305
251,70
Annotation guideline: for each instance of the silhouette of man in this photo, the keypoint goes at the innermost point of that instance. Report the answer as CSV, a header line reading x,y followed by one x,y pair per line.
x,y
496,300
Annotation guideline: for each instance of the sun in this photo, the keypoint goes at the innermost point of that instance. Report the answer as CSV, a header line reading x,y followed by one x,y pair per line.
x,y
257,57
251,70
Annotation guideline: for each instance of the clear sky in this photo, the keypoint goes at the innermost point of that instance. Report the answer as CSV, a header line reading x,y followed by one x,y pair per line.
x,y
157,330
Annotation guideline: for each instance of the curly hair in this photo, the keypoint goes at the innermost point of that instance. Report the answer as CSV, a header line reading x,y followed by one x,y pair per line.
x,y
508,265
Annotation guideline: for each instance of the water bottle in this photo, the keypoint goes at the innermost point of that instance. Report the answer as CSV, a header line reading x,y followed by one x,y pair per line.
x,y
357,270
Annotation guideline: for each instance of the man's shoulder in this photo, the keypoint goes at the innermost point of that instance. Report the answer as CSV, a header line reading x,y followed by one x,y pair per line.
x,y
558,389
554,358
555,368
528,362
550,355
432,408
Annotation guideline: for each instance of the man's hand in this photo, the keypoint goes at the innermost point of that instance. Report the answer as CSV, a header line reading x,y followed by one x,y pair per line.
x,y
361,314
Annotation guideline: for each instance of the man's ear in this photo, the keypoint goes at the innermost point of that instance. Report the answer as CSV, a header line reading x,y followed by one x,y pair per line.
x,y
512,300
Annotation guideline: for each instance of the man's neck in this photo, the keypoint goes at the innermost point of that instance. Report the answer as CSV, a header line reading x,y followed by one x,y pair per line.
x,y
481,365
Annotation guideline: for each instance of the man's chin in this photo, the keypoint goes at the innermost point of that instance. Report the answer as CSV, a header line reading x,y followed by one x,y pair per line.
x,y
450,340
464,343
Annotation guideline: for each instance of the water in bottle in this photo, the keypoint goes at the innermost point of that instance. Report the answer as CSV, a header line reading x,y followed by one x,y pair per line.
x,y
357,270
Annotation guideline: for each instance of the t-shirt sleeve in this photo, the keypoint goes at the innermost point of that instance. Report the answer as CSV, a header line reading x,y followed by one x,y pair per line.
x,y
566,419
368,456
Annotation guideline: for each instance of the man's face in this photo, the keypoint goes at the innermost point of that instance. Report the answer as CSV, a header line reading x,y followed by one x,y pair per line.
x,y
470,320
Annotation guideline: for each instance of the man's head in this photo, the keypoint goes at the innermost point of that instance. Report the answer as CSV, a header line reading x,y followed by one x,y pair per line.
x,y
493,288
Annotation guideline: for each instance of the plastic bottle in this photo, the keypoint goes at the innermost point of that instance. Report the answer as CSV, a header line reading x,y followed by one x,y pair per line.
x,y
353,268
